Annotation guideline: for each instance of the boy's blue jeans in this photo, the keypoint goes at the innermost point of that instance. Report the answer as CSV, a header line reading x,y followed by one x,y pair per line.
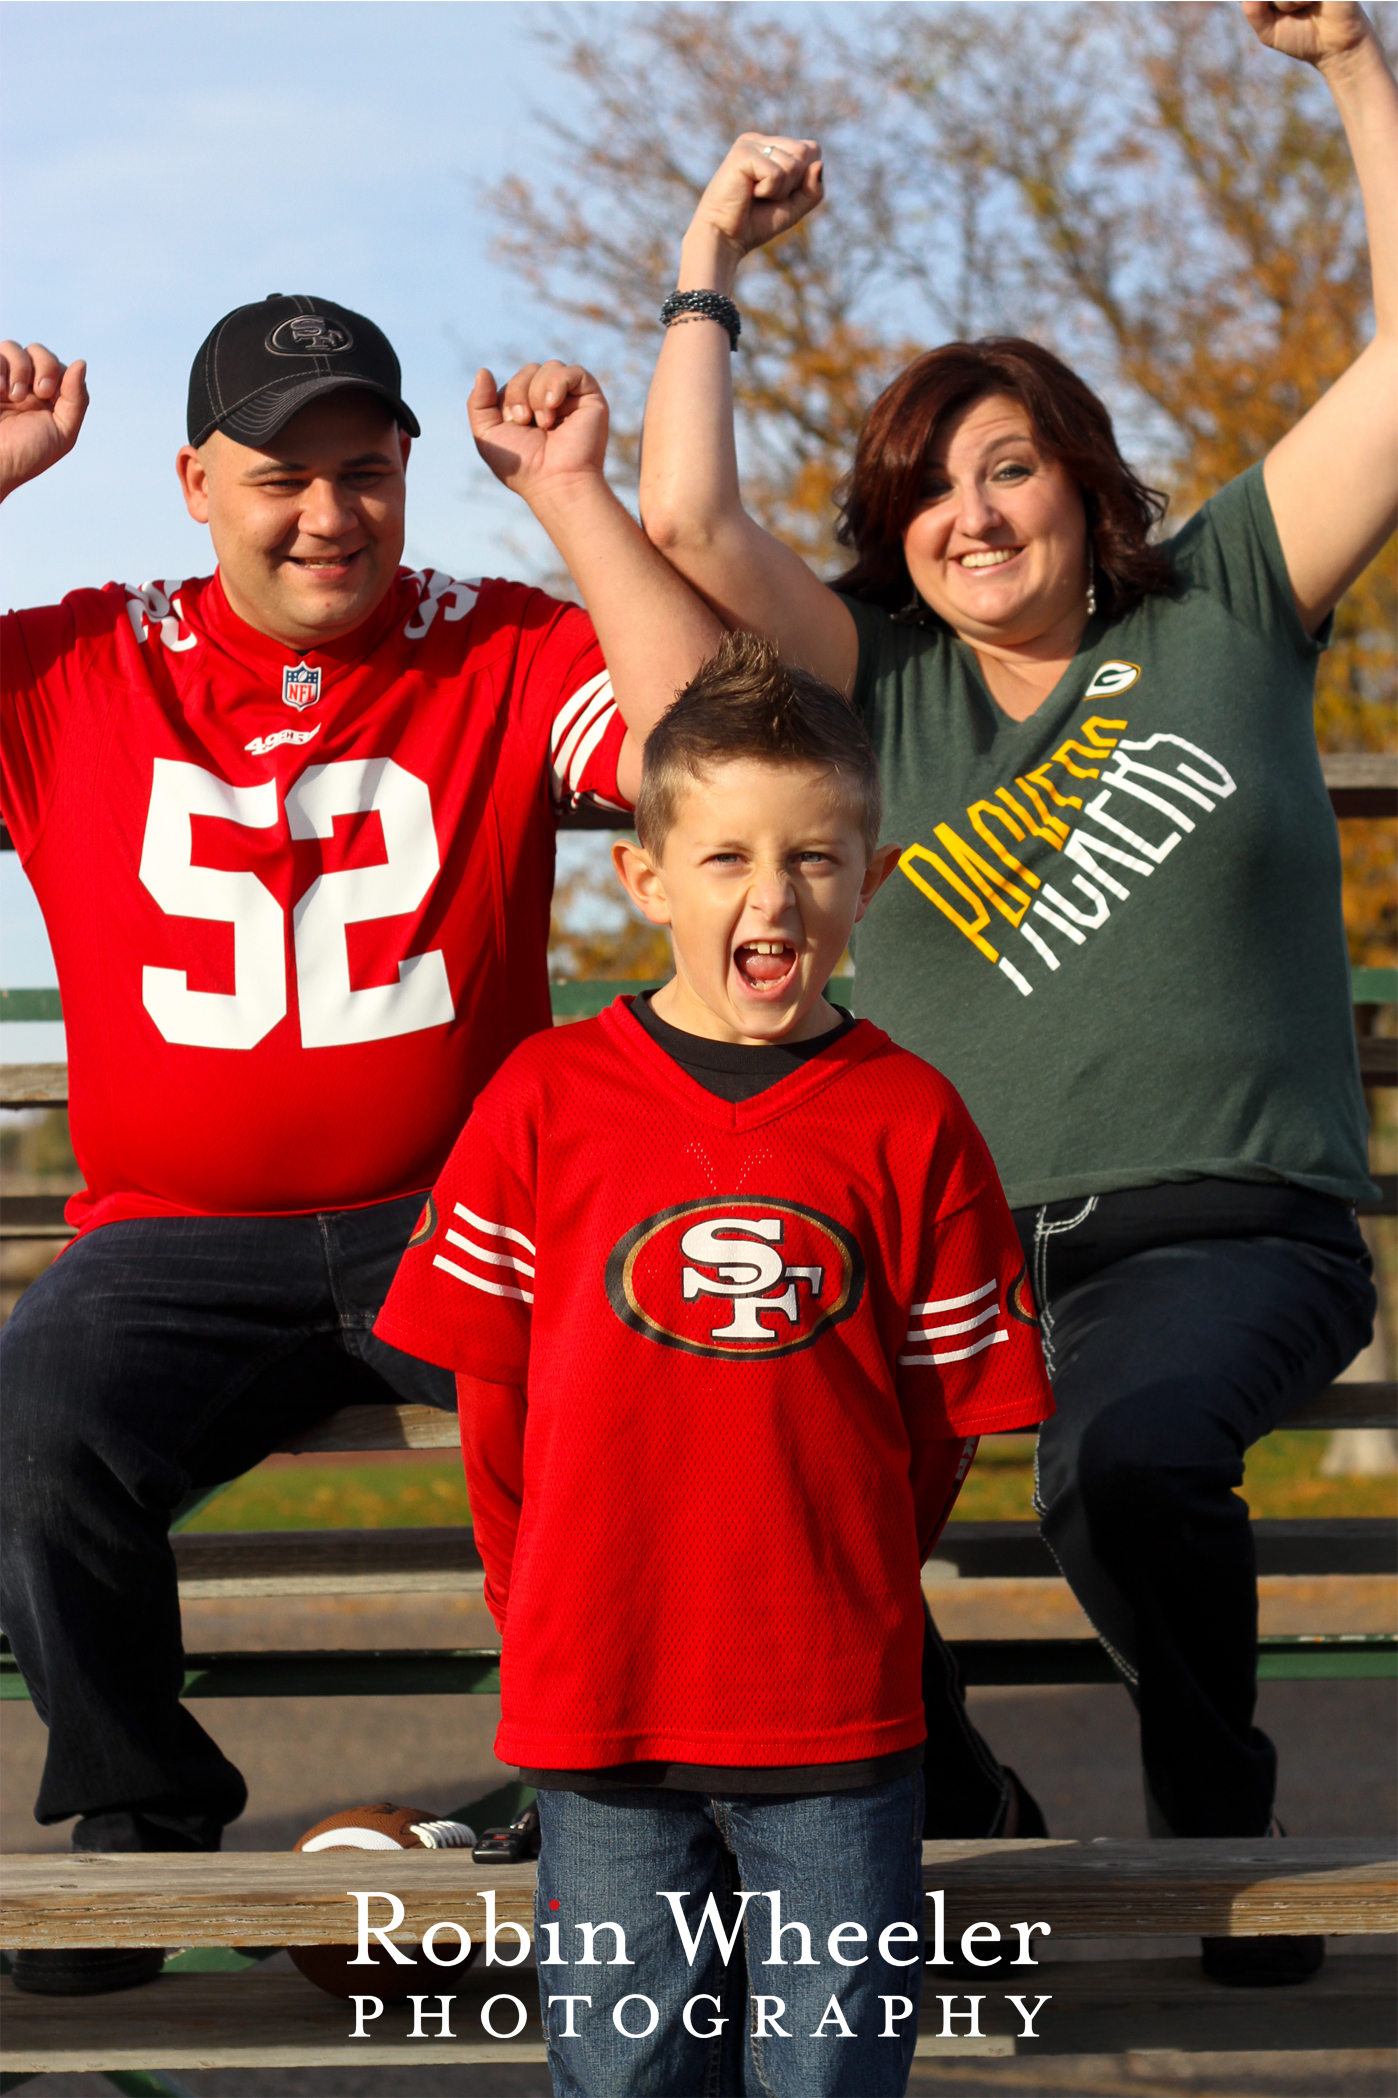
x,y
667,2023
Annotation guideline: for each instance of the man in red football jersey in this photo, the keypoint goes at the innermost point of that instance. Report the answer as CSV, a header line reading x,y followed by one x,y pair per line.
x,y
291,827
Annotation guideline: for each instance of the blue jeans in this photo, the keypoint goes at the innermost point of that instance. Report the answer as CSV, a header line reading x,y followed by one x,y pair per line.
x,y
155,1358
747,2024
1168,1362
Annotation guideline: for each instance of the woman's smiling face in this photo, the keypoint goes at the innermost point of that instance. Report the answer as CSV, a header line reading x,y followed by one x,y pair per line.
x,y
998,544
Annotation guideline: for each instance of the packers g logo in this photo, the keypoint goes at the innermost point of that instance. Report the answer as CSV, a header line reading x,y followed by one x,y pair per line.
x,y
1112,678
735,1275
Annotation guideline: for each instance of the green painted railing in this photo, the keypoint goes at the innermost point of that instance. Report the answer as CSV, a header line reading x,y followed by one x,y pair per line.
x,y
31,1005
475,1671
574,1000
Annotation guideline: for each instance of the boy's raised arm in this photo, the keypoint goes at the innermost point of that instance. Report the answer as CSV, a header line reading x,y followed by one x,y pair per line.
x,y
545,436
690,501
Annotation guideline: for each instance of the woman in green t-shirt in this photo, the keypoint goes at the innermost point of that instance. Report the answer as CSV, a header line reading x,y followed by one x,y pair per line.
x,y
1119,926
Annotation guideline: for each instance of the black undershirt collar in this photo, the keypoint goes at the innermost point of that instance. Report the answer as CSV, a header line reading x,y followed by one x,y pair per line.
x,y
733,1070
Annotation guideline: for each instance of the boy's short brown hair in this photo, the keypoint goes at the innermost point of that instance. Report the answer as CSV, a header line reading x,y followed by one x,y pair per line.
x,y
746,703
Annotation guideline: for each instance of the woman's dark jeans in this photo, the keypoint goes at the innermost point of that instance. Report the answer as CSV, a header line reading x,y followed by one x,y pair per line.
x,y
153,1359
1168,1361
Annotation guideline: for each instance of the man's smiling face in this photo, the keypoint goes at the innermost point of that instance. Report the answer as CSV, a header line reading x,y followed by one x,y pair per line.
x,y
308,527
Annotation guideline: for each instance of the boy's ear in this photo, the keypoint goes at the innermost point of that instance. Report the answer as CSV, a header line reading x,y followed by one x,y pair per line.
x,y
642,881
881,865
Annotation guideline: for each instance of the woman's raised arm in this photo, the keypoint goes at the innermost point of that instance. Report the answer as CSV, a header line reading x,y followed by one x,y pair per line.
x,y
690,502
1333,480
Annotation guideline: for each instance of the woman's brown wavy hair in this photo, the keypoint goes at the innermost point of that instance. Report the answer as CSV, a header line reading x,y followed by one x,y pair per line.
x,y
883,491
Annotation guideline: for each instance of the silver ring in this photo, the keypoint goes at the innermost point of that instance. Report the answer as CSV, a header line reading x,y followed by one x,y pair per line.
x,y
768,151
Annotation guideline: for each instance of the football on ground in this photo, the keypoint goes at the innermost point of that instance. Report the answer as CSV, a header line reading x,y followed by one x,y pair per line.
x,y
381,1826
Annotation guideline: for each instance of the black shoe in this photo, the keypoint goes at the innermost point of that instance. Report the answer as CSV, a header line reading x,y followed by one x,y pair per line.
x,y
1262,1963
1029,1815
86,1970
514,1845
124,1829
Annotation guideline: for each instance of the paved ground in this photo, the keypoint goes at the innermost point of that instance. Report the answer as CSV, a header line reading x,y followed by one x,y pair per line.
x,y
1351,2075
1354,2074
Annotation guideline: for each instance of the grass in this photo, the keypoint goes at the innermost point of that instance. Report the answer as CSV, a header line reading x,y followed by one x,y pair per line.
x,y
384,1496
1283,1479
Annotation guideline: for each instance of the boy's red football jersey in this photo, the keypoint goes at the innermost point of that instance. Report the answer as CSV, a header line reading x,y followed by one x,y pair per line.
x,y
299,903
739,1330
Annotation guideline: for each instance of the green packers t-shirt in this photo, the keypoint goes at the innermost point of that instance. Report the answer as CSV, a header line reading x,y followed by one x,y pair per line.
x,y
1116,926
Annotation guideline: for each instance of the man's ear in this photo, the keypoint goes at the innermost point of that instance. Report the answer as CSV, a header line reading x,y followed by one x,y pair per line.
x,y
642,880
194,482
881,865
405,445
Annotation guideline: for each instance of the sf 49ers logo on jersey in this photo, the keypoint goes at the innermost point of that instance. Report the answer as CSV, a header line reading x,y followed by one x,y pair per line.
x,y
735,1275
300,685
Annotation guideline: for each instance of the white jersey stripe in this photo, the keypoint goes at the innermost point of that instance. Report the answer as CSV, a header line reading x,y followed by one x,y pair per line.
x,y
578,768
960,1354
497,1260
568,766
572,751
492,1289
954,1303
937,1332
575,711
586,703
494,1230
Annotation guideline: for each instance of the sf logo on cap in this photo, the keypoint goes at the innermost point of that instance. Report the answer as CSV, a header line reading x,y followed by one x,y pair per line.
x,y
735,1276
309,335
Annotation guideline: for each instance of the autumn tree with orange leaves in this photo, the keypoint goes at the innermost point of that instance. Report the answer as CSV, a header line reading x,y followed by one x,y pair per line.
x,y
1170,207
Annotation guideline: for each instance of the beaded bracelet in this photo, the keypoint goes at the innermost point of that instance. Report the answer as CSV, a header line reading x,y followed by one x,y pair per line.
x,y
703,305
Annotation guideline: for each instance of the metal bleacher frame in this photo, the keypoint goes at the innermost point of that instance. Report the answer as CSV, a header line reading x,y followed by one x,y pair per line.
x,y
192,2018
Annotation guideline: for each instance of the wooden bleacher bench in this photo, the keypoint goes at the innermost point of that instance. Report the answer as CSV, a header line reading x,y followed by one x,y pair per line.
x,y
1373,1405
1115,1891
1106,2007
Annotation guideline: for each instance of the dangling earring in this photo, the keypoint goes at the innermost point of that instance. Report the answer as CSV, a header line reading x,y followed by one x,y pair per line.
x,y
1091,581
914,613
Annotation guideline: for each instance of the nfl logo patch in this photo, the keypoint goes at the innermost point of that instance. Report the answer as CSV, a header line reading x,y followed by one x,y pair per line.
x,y
300,685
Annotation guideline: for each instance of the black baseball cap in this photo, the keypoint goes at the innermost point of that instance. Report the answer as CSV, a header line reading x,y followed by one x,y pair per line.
x,y
263,363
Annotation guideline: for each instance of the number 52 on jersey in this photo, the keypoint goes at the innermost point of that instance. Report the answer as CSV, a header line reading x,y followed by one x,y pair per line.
x,y
332,1014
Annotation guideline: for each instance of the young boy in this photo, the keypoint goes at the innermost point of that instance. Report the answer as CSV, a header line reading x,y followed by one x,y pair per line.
x,y
730,1288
